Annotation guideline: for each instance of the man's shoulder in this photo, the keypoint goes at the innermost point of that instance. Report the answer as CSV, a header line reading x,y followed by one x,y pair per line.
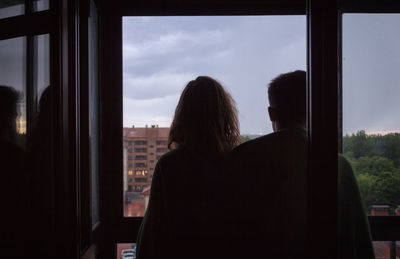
x,y
272,140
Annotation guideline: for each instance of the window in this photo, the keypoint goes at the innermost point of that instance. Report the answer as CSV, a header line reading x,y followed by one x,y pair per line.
x,y
141,172
371,129
140,157
130,150
130,172
130,180
141,150
140,180
161,142
150,93
140,165
129,157
140,142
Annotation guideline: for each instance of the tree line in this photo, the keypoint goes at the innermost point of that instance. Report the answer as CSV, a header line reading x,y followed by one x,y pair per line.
x,y
376,163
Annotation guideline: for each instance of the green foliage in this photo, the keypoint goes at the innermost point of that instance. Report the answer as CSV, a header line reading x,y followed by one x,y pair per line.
x,y
373,165
367,185
376,163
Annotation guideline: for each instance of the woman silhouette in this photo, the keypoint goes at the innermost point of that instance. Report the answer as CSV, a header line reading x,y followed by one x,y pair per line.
x,y
182,218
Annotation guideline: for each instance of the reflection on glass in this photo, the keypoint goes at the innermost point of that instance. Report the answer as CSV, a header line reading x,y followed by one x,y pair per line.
x,y
26,145
386,249
371,128
41,5
11,8
12,73
162,54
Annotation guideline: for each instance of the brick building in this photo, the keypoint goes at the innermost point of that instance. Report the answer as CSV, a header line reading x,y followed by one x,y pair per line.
x,y
142,148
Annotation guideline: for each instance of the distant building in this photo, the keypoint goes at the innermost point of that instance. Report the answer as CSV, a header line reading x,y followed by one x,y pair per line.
x,y
144,146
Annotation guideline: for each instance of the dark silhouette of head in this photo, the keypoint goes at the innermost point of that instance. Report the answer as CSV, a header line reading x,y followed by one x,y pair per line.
x,y
205,119
8,112
287,100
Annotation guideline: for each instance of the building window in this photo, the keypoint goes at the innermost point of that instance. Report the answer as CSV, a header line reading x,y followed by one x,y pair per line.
x,y
161,142
141,180
138,188
138,165
129,150
129,188
151,161
161,149
130,180
129,143
130,172
151,154
141,150
140,157
130,166
140,142
158,157
141,172
151,146
129,158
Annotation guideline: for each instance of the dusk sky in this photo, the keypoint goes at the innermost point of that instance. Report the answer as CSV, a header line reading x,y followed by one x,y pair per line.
x,y
161,54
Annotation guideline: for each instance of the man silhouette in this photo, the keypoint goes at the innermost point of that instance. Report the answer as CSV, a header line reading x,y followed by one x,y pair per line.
x,y
270,173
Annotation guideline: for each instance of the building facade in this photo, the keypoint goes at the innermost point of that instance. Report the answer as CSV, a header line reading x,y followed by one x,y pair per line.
x,y
144,146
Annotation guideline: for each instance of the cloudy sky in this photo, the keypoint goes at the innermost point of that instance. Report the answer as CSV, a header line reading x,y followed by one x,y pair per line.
x,y
371,78
161,54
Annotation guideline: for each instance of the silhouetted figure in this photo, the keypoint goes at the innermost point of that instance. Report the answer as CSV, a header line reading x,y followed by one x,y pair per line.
x,y
39,164
183,218
271,184
13,182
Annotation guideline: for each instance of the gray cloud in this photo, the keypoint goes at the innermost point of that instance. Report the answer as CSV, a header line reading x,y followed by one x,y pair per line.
x,y
161,54
371,62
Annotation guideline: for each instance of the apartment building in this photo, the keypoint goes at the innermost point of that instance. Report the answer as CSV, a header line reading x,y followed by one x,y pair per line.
x,y
143,147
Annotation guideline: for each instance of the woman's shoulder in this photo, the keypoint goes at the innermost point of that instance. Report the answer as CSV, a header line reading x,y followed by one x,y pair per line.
x,y
174,156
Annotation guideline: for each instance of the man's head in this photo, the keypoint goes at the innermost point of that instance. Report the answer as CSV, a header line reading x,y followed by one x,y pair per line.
x,y
287,100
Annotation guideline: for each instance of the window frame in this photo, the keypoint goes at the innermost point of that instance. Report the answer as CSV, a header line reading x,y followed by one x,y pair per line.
x,y
383,228
324,128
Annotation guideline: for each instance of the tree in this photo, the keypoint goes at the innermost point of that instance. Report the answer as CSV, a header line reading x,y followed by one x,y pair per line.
x,y
372,165
367,184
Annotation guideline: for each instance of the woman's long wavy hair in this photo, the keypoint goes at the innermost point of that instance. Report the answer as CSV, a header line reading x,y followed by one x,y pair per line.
x,y
205,120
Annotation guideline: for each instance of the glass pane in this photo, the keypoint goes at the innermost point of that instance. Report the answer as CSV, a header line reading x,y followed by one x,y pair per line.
x,y
41,63
12,74
371,129
162,54
11,8
386,249
26,144
126,251
94,112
